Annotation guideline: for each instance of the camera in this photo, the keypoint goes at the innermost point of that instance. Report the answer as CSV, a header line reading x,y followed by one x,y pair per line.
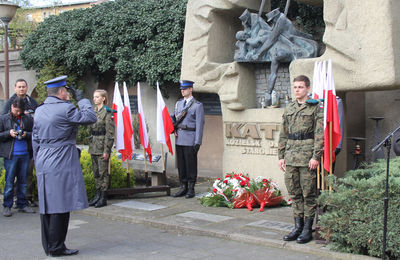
x,y
19,134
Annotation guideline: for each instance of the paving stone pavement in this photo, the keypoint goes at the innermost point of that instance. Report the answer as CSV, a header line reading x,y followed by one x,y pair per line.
x,y
188,216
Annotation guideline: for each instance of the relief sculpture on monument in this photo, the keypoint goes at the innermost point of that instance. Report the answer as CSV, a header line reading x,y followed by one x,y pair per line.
x,y
274,40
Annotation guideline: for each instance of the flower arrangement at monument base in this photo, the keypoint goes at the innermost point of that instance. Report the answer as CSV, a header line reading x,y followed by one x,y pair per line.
x,y
239,191
266,192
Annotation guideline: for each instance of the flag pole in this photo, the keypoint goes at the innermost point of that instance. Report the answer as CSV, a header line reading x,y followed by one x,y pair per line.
x,y
162,157
323,173
330,153
146,172
163,163
128,178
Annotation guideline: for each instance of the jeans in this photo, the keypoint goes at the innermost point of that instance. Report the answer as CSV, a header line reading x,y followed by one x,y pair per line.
x,y
17,166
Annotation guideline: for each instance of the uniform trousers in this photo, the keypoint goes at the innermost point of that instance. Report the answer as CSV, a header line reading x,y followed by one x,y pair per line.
x,y
100,172
301,184
54,232
187,163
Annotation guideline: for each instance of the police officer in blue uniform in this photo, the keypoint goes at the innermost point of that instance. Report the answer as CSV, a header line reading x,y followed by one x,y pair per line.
x,y
188,119
61,188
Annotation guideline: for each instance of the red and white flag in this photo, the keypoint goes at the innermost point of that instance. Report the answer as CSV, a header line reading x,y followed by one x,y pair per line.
x,y
164,122
144,138
128,129
118,119
318,83
331,116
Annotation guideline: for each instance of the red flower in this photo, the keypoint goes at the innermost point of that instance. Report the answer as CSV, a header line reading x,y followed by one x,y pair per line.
x,y
242,183
265,180
225,181
227,176
218,178
214,190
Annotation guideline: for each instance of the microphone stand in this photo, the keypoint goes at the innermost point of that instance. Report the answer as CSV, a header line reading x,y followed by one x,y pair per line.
x,y
386,142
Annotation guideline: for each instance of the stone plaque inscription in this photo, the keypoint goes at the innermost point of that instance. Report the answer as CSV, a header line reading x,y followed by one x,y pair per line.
x,y
253,138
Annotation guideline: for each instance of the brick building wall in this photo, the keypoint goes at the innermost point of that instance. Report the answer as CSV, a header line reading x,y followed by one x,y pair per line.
x,y
282,84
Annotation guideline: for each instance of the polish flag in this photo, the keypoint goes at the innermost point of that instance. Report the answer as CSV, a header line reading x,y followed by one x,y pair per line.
x,y
144,138
331,116
164,123
118,119
128,129
318,84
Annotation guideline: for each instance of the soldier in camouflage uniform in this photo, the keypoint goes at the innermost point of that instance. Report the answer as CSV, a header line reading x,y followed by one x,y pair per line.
x,y
100,145
300,148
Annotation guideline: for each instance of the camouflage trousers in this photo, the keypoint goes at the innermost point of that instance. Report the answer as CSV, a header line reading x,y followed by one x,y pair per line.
x,y
301,184
100,172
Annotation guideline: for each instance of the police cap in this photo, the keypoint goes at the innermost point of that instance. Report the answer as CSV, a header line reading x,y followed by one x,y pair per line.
x,y
186,84
57,82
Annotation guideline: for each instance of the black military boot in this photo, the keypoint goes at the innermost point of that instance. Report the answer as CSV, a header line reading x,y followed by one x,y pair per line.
x,y
306,234
102,201
96,199
298,227
182,191
190,193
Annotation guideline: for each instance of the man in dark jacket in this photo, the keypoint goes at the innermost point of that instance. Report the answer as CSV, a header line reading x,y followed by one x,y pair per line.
x,y
61,188
21,90
16,149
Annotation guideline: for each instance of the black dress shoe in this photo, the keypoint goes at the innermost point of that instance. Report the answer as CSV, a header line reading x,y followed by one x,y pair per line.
x,y
65,252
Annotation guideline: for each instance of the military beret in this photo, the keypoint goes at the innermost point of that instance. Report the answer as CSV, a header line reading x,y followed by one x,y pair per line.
x,y
57,82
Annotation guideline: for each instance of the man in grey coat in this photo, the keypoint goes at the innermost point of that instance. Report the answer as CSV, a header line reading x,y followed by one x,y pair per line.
x,y
61,188
188,119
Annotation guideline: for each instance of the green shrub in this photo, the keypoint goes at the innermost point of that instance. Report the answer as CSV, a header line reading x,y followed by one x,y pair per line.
x,y
353,220
118,174
3,182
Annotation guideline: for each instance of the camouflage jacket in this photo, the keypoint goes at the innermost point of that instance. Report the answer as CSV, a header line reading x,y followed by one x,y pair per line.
x,y
102,132
301,119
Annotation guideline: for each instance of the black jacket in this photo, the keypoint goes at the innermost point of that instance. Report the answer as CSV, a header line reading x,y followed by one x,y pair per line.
x,y
30,104
6,141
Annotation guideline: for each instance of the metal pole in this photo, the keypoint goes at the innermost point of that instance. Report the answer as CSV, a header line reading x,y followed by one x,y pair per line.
x,y
388,145
6,63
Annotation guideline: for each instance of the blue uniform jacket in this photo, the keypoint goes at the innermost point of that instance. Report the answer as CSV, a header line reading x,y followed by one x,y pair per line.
x,y
60,182
194,119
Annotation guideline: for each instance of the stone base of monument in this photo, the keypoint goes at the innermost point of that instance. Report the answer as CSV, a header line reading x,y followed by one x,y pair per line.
x,y
251,143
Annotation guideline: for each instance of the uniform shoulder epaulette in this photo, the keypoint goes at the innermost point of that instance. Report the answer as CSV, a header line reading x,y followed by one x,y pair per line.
x,y
312,101
109,109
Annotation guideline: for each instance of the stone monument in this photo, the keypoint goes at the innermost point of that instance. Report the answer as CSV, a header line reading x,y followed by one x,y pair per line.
x,y
361,37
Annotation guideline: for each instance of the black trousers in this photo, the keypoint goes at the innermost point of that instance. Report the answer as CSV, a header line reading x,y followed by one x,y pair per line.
x,y
54,231
187,163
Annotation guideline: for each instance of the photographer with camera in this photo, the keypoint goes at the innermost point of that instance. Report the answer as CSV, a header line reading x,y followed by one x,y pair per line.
x,y
21,90
16,149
